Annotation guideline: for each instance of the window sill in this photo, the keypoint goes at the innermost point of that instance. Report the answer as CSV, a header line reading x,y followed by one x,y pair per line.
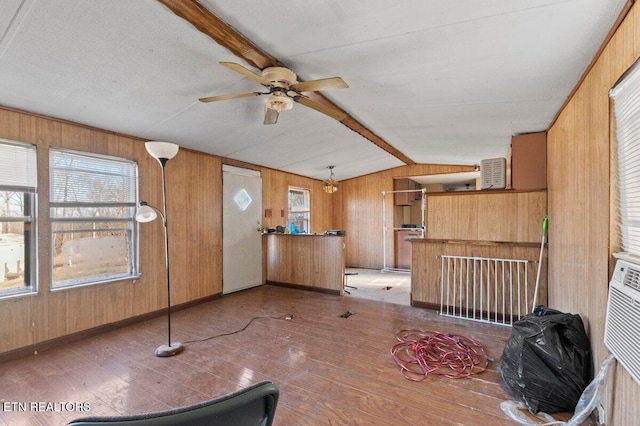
x,y
9,296
132,278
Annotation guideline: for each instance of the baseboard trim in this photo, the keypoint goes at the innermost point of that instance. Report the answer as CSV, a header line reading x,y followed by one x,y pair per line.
x,y
105,328
426,305
304,287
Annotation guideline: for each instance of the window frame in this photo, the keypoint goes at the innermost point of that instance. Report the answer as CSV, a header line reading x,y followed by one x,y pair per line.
x,y
305,210
29,219
625,97
131,229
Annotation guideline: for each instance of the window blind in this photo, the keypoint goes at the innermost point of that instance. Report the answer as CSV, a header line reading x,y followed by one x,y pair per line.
x,y
83,178
17,166
92,200
626,105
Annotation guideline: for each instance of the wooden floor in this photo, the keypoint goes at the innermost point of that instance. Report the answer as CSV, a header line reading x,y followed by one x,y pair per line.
x,y
331,370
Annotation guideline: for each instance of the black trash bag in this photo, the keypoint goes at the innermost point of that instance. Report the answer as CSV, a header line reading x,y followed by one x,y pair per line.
x,y
546,362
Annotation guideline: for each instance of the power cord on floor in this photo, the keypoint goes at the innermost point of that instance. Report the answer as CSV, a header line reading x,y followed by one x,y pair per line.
x,y
286,317
420,353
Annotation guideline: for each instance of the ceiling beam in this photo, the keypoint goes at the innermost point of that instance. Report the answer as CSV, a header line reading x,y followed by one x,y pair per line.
x,y
209,24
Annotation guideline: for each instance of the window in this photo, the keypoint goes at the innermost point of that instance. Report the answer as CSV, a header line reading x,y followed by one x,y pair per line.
x,y
626,103
299,211
17,218
92,207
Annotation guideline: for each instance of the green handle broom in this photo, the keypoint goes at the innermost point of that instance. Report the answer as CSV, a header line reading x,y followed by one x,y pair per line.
x,y
545,228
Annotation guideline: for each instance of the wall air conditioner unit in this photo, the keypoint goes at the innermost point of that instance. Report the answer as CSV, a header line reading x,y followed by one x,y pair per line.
x,y
493,173
622,325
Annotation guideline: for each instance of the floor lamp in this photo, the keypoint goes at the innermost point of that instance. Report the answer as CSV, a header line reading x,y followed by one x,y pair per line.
x,y
163,152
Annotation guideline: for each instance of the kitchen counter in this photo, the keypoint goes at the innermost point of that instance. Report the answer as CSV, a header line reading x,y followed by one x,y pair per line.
x,y
306,261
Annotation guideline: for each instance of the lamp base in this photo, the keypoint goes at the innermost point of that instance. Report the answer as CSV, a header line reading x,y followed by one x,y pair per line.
x,y
169,350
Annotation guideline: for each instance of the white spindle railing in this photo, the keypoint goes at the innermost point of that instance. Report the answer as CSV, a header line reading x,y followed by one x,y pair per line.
x,y
485,289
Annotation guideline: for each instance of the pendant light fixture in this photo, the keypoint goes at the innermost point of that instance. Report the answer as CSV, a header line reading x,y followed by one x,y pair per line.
x,y
330,186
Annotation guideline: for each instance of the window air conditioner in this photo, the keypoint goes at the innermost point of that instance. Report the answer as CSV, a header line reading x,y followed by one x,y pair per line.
x,y
493,173
622,325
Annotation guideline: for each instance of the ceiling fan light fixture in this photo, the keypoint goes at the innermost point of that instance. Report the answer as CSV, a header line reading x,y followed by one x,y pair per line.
x,y
330,185
283,89
278,102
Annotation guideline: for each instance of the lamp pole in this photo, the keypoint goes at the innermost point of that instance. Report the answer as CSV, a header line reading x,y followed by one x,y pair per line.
x,y
163,152
163,162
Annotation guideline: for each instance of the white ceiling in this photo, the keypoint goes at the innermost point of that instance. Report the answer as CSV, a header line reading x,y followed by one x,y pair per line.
x,y
445,82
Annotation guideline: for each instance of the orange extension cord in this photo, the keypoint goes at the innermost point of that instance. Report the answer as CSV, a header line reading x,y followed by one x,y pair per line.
x,y
420,353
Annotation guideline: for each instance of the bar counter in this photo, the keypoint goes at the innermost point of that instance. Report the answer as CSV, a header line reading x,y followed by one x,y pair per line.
x,y
306,261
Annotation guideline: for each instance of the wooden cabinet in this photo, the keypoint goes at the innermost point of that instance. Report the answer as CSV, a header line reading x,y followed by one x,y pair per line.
x,y
529,161
405,198
403,247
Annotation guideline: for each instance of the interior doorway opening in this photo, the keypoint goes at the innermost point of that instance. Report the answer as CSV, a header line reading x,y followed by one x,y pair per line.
x,y
373,284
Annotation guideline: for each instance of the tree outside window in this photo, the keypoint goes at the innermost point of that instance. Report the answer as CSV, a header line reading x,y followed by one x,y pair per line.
x,y
17,218
92,207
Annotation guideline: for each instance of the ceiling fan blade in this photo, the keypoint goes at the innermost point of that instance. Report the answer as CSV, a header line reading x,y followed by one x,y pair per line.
x,y
229,96
322,84
332,112
270,116
246,72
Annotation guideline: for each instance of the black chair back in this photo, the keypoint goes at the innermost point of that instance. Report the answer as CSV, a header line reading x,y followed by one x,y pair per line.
x,y
252,406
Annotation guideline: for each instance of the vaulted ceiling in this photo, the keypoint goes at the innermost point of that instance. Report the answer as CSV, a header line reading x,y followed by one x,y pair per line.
x,y
430,81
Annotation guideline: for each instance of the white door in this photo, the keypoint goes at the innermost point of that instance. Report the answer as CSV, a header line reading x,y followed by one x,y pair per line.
x,y
241,236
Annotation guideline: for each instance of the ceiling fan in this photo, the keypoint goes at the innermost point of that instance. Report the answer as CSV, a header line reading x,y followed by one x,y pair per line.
x,y
283,91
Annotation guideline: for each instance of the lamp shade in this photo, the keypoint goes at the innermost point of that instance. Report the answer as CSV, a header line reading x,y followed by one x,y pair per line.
x,y
158,150
145,213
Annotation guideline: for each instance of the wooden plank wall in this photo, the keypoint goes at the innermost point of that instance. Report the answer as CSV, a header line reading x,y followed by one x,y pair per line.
x,y
513,216
194,191
191,180
275,186
579,151
359,212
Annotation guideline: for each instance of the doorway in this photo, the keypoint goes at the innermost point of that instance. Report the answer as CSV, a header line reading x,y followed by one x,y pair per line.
x,y
374,284
241,236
